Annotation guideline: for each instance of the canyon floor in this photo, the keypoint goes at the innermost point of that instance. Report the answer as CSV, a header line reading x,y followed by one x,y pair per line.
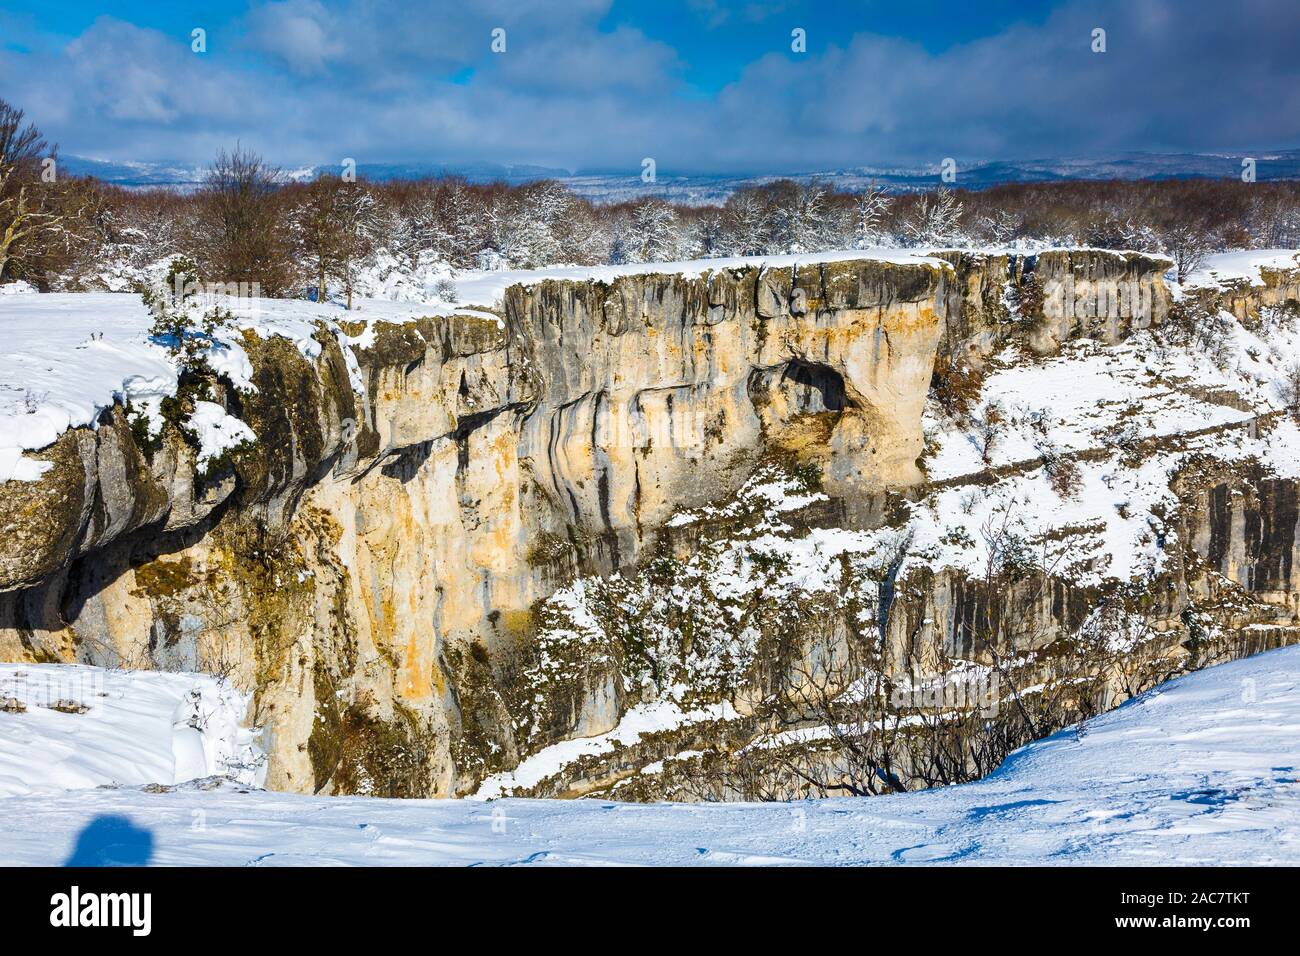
x,y
1202,770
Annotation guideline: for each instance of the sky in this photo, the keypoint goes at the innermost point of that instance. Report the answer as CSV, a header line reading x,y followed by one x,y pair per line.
x,y
696,85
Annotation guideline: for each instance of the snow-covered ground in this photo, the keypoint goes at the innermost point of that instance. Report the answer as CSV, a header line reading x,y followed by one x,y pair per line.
x,y
70,726
1204,770
1241,264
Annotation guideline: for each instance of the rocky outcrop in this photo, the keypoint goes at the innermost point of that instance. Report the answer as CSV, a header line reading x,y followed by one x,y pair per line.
x,y
362,561
374,566
1046,298
1277,288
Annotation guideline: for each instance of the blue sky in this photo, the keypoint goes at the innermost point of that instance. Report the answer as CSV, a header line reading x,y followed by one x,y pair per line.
x,y
700,85
716,40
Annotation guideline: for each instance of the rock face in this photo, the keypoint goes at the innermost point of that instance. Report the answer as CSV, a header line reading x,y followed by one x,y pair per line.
x,y
1051,297
1278,288
374,568
373,549
654,393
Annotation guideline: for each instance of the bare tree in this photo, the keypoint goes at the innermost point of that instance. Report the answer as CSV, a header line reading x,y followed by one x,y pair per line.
x,y
1290,390
244,226
856,744
317,231
338,224
1187,243
244,233
27,214
355,215
1275,217
988,426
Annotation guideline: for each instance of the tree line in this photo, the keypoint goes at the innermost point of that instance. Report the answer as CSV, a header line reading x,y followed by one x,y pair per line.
x,y
248,223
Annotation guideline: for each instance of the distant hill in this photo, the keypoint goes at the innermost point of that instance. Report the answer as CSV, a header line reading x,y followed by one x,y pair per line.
x,y
607,186
190,175
710,188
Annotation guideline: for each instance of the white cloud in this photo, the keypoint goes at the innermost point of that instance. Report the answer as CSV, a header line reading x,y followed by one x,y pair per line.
x,y
301,33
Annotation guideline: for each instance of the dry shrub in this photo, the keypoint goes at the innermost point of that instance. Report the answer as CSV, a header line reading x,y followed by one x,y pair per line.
x,y
1064,475
1290,391
955,387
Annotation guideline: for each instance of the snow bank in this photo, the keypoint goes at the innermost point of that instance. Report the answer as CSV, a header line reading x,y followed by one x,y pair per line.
x,y
67,727
1203,770
1244,264
641,719
218,431
63,360
1075,400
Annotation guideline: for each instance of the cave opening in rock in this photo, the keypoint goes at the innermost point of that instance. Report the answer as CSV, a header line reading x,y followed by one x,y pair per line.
x,y
813,387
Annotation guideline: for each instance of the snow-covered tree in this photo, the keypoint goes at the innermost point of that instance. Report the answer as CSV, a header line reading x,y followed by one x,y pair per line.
x,y
1275,221
799,217
1138,236
707,236
358,222
652,232
182,322
935,220
461,215
745,224
528,228
1001,227
869,213
416,228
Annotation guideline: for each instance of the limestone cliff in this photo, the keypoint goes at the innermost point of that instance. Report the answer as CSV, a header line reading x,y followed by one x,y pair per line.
x,y
382,566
